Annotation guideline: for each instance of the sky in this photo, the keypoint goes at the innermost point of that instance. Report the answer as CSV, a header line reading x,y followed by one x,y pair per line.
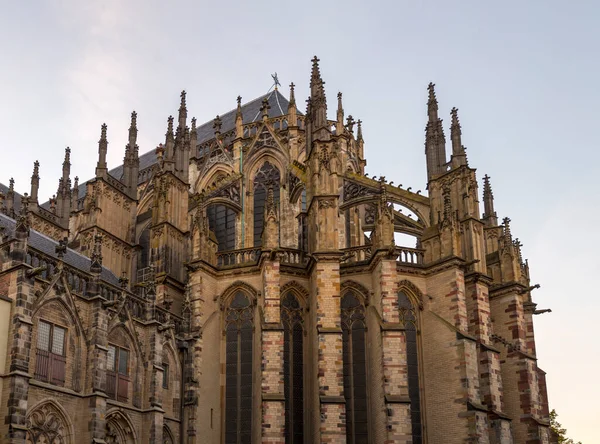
x,y
524,76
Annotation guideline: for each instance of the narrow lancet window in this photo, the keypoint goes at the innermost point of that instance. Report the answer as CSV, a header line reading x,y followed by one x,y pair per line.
x,y
293,370
221,221
408,318
238,362
268,175
355,369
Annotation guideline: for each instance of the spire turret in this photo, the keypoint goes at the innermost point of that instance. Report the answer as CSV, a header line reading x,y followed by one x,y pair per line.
x,y
182,111
435,141
10,198
63,200
131,162
489,214
459,156
317,96
35,184
340,115
169,153
239,119
292,114
101,168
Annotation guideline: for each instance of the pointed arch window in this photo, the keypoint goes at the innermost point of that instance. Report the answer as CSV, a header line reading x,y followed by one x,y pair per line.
x,y
267,175
50,363
239,332
355,369
293,368
408,318
221,221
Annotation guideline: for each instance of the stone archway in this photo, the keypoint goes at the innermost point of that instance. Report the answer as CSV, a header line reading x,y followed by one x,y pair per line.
x,y
119,429
47,424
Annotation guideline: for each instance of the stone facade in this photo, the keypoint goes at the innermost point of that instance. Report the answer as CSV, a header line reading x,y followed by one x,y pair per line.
x,y
241,283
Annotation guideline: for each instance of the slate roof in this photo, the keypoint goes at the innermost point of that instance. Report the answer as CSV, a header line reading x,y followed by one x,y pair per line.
x,y
47,246
250,113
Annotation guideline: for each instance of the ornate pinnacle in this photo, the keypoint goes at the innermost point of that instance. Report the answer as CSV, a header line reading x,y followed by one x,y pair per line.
x,y
67,155
432,104
36,170
11,185
447,203
182,112
182,105
217,124
315,75
507,232
170,126
455,126
193,125
292,95
487,187
103,132
359,135
132,131
238,112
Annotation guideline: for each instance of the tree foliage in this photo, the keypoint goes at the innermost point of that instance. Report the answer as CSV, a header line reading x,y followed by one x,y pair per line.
x,y
560,431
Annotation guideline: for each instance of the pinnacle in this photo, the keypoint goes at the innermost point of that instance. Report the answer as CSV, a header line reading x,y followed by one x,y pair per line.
x,y
133,119
36,168
183,94
170,125
455,121
103,131
292,95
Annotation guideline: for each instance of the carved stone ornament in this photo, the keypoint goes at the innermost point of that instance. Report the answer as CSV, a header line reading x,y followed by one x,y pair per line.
x,y
353,190
46,425
326,203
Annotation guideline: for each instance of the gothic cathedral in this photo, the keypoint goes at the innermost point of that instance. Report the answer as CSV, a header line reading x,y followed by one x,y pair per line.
x,y
247,282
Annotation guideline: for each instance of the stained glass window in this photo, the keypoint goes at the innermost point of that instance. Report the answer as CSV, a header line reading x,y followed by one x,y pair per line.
x,y
239,335
355,369
293,368
408,318
268,175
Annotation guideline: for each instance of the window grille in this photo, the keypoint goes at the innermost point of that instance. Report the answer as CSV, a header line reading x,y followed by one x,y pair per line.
x,y
50,354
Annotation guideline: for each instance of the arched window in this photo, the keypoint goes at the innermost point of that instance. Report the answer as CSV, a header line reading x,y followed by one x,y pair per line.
x,y
355,369
144,256
408,318
267,175
239,327
221,221
46,424
293,368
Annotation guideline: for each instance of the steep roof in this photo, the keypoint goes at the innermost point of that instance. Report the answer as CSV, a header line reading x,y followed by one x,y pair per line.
x,y
250,113
47,246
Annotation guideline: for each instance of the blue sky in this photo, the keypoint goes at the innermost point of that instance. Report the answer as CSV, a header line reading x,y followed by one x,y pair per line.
x,y
523,75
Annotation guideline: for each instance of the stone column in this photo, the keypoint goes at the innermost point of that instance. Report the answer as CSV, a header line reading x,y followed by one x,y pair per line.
x,y
273,400
156,414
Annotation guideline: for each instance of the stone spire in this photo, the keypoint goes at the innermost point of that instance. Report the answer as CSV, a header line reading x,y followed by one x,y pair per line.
x,y
10,198
340,115
169,152
101,168
317,98
490,217
292,114
131,162
239,119
75,194
182,111
459,156
35,184
435,141
63,196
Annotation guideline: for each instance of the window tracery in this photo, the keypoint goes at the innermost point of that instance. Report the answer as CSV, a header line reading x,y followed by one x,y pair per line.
x,y
46,425
268,175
